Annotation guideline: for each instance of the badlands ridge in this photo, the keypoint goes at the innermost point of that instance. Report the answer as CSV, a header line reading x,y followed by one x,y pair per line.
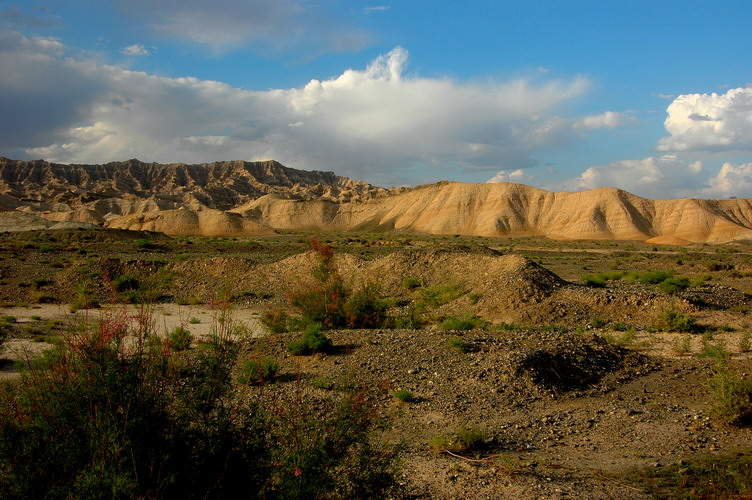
x,y
254,198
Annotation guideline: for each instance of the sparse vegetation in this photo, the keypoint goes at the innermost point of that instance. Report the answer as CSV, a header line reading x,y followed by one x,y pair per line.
x,y
180,338
675,321
458,344
464,440
259,370
404,395
312,340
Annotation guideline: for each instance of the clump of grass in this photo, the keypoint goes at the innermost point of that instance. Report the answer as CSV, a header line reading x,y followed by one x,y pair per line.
x,y
673,286
193,320
599,280
682,345
464,440
404,395
457,343
180,338
714,349
440,294
469,322
8,319
732,395
312,340
257,371
411,283
675,321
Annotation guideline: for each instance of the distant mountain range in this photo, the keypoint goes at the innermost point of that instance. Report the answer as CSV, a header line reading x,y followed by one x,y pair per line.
x,y
245,198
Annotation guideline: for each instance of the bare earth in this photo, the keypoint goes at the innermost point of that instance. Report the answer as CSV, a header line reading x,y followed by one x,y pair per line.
x,y
572,411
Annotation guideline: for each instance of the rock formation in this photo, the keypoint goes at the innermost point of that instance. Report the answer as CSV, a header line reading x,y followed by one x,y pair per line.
x,y
244,198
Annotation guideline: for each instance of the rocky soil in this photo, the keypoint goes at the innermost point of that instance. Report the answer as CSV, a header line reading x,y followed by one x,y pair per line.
x,y
577,391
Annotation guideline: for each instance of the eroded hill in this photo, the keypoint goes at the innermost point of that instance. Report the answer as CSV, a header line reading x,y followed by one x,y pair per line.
x,y
247,198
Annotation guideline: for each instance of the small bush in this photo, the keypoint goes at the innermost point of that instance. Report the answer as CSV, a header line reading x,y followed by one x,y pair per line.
x,y
404,396
145,244
732,396
365,308
674,321
180,339
464,440
672,286
257,371
312,340
412,283
193,320
407,319
466,323
8,319
276,320
654,277
438,295
458,344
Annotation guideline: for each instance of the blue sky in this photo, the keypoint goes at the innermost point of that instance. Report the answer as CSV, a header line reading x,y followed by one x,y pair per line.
x,y
652,97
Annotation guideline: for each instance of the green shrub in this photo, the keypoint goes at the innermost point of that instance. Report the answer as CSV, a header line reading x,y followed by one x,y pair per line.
x,y
407,319
404,396
654,277
312,340
672,286
256,371
145,244
276,320
732,395
365,308
464,440
8,319
469,322
458,344
180,338
412,283
327,301
104,418
438,295
674,321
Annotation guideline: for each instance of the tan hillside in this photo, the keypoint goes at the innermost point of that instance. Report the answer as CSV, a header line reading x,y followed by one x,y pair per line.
x,y
505,209
257,197
184,222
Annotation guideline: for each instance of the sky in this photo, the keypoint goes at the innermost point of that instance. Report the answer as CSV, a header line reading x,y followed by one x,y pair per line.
x,y
653,97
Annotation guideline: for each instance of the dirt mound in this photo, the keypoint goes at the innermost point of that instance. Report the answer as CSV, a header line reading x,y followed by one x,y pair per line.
x,y
185,222
557,363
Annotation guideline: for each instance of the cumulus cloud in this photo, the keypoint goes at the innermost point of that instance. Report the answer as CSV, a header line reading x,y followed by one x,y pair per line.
x,y
731,180
666,176
709,122
609,119
228,24
135,50
518,176
378,123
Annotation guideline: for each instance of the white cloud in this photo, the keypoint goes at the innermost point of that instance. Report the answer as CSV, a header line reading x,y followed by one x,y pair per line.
x,y
731,180
229,24
378,124
666,176
609,119
376,8
710,122
135,50
518,176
